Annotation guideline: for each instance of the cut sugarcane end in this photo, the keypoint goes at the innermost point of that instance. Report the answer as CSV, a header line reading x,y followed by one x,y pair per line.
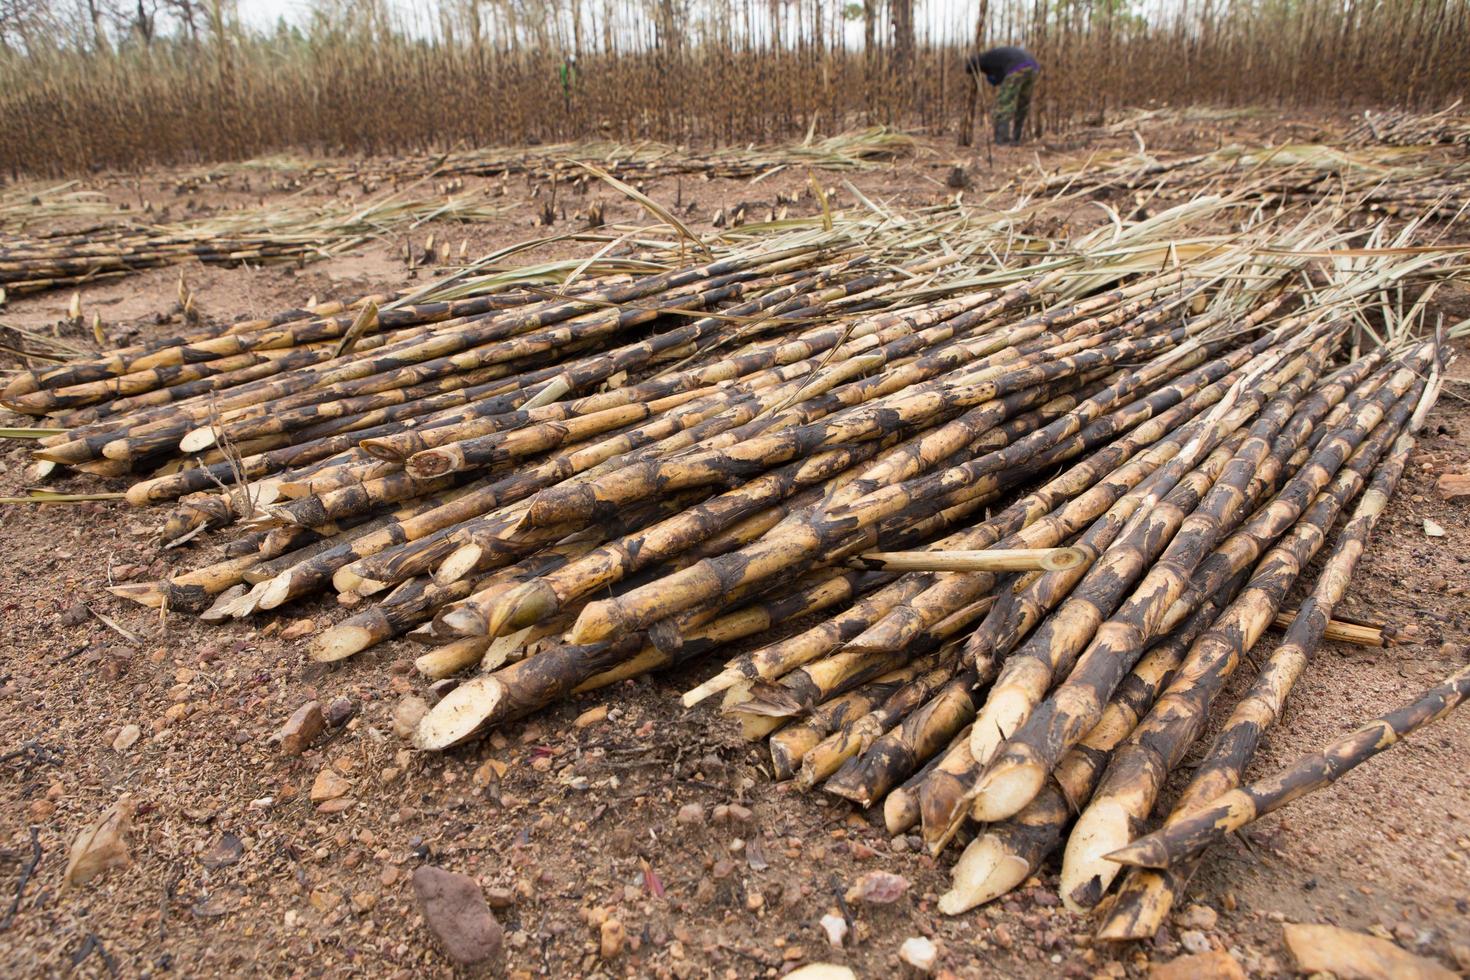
x,y
459,715
118,449
451,658
1086,871
756,727
198,439
900,811
1146,852
724,680
984,872
150,594
275,592
345,579
521,608
1003,793
461,562
340,642
463,621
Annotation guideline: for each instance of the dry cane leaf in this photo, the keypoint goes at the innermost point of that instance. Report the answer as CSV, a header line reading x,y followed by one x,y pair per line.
x,y
102,846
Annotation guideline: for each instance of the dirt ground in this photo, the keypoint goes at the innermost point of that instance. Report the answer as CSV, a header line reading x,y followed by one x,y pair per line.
x,y
567,824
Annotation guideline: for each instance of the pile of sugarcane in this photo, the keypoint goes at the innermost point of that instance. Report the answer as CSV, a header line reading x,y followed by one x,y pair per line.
x,y
981,527
1369,182
1399,127
112,249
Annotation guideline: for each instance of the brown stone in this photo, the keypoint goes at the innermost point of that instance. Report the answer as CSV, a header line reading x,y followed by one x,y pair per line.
x,y
302,728
1354,956
407,714
328,786
454,909
612,938
1214,965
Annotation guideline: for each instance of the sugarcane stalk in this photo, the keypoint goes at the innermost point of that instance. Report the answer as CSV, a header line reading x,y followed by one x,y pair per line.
x,y
1181,840
993,560
898,753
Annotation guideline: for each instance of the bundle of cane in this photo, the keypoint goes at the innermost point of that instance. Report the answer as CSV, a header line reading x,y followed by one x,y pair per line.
x,y
634,162
1321,450
258,236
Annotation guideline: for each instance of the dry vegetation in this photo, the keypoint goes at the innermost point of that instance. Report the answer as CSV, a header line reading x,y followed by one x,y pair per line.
x,y
488,74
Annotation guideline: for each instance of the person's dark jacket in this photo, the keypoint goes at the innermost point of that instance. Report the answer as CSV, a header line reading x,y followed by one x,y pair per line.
x,y
997,63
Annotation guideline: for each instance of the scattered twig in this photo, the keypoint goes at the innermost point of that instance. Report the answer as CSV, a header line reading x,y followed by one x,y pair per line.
x,y
27,869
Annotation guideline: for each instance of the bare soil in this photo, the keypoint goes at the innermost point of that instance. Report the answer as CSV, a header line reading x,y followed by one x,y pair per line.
x,y
576,819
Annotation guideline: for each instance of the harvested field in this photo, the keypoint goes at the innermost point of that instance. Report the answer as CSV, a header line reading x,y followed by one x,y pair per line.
x,y
619,804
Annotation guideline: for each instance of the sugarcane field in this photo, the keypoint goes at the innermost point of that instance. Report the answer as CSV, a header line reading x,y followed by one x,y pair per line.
x,y
735,490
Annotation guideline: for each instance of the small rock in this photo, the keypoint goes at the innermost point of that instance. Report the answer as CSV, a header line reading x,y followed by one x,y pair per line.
x,y
690,815
40,811
821,971
1214,965
1200,917
590,717
835,926
409,711
102,846
754,901
75,614
298,629
919,953
339,711
878,888
328,786
126,738
1194,941
1461,954
302,728
500,898
613,936
1354,956
455,911
226,851
489,772
364,901
1451,486
1001,936
1433,529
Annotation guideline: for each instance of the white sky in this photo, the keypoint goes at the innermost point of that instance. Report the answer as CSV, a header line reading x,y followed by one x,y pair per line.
x,y
935,17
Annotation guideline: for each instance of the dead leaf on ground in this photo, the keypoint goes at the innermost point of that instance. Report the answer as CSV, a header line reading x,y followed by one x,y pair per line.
x,y
102,846
226,851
